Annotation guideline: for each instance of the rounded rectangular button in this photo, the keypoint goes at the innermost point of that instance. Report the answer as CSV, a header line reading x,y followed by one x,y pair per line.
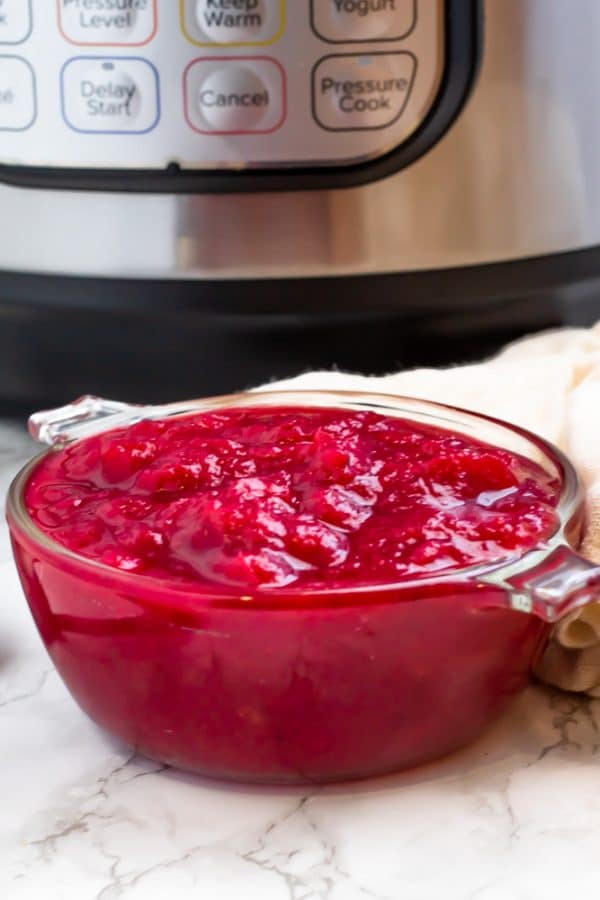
x,y
235,95
110,96
232,23
106,23
361,92
18,105
348,21
15,21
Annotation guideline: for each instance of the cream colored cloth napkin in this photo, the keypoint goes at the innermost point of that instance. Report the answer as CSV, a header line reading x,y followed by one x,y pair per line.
x,y
550,384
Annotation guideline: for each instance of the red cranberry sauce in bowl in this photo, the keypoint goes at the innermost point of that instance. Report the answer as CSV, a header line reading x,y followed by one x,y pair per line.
x,y
297,497
293,586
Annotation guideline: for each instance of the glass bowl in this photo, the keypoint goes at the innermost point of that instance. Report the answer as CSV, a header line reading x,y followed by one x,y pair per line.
x,y
286,686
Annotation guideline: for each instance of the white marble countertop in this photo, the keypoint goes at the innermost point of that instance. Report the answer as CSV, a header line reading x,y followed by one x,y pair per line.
x,y
515,817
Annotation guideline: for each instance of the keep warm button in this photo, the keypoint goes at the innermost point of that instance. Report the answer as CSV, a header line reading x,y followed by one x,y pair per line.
x,y
110,96
233,23
361,92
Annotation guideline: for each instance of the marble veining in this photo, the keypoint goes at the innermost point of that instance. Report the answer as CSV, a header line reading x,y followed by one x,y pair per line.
x,y
514,817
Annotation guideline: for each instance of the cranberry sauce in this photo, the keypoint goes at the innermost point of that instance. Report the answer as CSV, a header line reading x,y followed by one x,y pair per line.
x,y
301,497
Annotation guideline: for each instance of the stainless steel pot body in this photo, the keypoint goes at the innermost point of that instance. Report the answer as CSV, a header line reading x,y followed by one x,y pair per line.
x,y
516,175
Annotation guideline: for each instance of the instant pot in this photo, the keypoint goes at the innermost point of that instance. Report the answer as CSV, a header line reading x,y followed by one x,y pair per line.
x,y
196,196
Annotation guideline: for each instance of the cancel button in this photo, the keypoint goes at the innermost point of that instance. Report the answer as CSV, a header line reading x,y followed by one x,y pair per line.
x,y
235,97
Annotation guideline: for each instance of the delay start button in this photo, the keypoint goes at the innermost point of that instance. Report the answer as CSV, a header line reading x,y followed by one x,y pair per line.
x,y
110,96
235,95
361,92
347,21
233,22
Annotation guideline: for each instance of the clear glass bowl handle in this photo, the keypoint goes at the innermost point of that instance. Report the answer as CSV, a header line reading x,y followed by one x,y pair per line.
x,y
551,584
83,417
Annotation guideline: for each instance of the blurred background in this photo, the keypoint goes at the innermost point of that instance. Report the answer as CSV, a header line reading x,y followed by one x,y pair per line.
x,y
164,246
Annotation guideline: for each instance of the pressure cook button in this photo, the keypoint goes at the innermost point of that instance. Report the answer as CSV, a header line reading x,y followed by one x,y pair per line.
x,y
125,23
345,21
235,95
110,96
17,94
360,92
233,22
15,21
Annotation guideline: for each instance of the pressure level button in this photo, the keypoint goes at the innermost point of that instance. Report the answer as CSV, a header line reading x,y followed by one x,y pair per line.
x,y
123,23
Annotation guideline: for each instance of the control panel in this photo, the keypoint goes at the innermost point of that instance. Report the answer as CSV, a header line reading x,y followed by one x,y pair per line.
x,y
215,84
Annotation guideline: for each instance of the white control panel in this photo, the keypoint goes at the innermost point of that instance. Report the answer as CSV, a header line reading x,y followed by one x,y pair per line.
x,y
213,84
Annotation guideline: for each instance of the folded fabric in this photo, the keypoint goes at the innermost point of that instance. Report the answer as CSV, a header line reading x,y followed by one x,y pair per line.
x,y
550,384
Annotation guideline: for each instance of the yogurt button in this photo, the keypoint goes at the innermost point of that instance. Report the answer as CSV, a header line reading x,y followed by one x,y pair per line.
x,y
15,21
235,96
110,95
226,22
17,94
340,21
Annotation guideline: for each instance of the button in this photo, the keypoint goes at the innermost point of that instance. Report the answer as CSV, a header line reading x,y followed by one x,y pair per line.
x,y
18,107
110,96
106,23
361,92
233,23
15,21
235,95
344,21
